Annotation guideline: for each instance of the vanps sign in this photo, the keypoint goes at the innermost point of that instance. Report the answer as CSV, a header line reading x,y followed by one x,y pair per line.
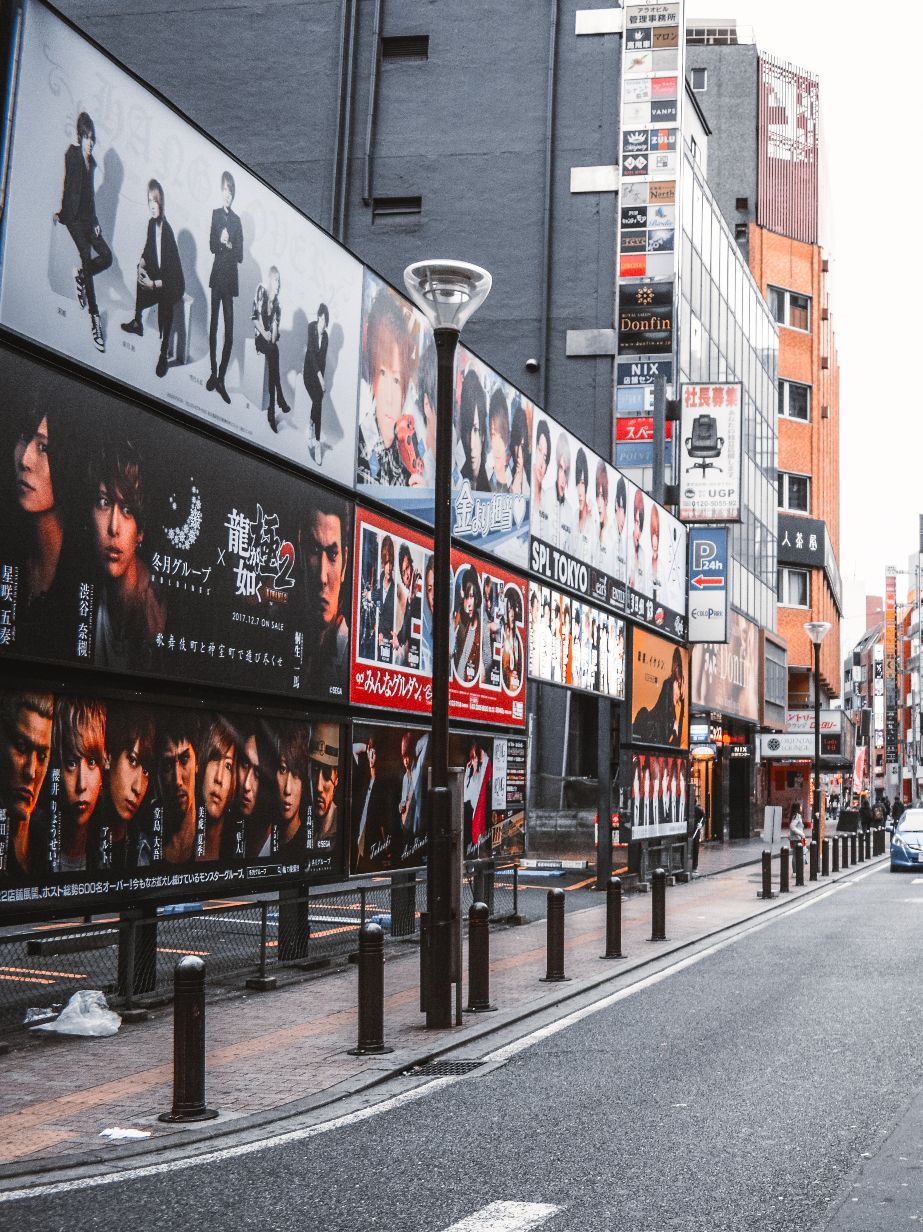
x,y
708,586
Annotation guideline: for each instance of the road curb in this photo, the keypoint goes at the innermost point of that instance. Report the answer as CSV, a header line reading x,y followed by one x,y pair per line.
x,y
201,1138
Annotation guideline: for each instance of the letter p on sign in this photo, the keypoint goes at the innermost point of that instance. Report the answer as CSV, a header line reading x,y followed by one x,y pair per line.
x,y
703,551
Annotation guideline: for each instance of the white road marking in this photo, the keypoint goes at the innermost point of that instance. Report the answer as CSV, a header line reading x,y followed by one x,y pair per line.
x,y
506,1217
407,1097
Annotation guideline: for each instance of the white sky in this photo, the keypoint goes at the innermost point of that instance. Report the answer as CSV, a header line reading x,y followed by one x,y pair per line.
x,y
869,91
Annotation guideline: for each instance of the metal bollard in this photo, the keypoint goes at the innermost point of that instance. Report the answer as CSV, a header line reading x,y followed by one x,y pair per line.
x,y
658,905
868,844
812,861
766,891
825,858
784,857
554,972
614,919
799,864
371,992
479,959
854,848
844,841
189,1043
835,850
860,848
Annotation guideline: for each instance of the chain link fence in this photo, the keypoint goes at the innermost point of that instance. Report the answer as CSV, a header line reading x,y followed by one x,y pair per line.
x,y
131,959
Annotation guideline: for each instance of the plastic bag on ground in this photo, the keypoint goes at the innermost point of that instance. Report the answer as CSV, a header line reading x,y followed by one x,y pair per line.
x,y
86,1013
116,1134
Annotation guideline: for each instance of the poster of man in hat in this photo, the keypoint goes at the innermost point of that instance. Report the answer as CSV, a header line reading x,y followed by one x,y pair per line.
x,y
324,754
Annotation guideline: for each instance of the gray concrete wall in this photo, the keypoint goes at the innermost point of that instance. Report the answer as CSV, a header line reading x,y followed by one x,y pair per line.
x,y
730,107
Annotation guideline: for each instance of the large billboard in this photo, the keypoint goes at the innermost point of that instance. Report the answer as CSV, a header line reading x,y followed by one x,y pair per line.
x,y
725,676
135,246
598,534
396,435
393,610
493,794
132,544
575,643
659,692
657,794
491,461
390,800
119,798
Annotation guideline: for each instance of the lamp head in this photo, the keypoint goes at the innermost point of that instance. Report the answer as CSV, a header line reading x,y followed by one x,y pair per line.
x,y
447,292
817,630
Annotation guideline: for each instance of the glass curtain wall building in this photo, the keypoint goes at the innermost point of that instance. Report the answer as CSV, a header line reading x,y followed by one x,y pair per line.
x,y
727,333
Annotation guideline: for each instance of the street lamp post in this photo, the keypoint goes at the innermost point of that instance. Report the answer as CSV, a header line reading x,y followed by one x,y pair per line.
x,y
817,630
447,293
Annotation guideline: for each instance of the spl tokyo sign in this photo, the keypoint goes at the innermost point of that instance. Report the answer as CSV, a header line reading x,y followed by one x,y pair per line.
x,y
708,588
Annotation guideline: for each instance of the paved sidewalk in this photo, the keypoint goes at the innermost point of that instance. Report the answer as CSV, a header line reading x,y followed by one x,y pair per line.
x,y
278,1053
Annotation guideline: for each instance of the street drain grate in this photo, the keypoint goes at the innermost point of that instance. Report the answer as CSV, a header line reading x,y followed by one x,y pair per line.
x,y
442,1069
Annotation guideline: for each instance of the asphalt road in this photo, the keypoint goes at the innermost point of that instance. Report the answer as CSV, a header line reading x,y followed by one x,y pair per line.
x,y
742,1089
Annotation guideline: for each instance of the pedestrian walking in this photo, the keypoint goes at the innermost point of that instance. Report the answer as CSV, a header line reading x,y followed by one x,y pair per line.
x,y
796,835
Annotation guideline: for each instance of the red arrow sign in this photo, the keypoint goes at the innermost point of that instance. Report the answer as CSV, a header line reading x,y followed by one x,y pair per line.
x,y
701,581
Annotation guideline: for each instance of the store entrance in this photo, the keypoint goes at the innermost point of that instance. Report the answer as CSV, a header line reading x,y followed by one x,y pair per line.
x,y
739,795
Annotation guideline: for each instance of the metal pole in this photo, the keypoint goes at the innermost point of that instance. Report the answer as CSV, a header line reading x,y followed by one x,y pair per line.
x,y
371,991
658,905
835,844
784,857
554,970
659,426
766,891
812,861
479,959
614,919
825,859
189,1043
817,825
604,795
439,854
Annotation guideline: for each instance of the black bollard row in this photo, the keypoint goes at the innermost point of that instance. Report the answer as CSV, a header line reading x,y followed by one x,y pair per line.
x,y
844,839
658,905
860,846
854,848
189,1043
479,959
554,971
825,858
812,861
785,856
371,992
835,852
766,891
614,919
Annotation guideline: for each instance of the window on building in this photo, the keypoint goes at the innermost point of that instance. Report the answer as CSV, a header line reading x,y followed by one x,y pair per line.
x,y
396,207
742,204
794,587
790,308
405,47
794,492
795,400
700,80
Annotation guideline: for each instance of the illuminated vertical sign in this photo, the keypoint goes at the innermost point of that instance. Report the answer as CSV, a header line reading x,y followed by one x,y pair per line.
x,y
891,670
650,166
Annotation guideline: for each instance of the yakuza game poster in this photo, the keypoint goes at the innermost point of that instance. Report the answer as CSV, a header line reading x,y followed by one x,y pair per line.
x,y
493,794
492,435
135,246
132,544
122,798
389,798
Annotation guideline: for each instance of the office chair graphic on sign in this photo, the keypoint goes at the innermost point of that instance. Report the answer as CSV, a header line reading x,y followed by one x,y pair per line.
x,y
704,443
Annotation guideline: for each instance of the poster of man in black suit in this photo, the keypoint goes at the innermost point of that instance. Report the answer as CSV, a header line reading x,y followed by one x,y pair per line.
x,y
315,362
226,242
160,275
78,214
